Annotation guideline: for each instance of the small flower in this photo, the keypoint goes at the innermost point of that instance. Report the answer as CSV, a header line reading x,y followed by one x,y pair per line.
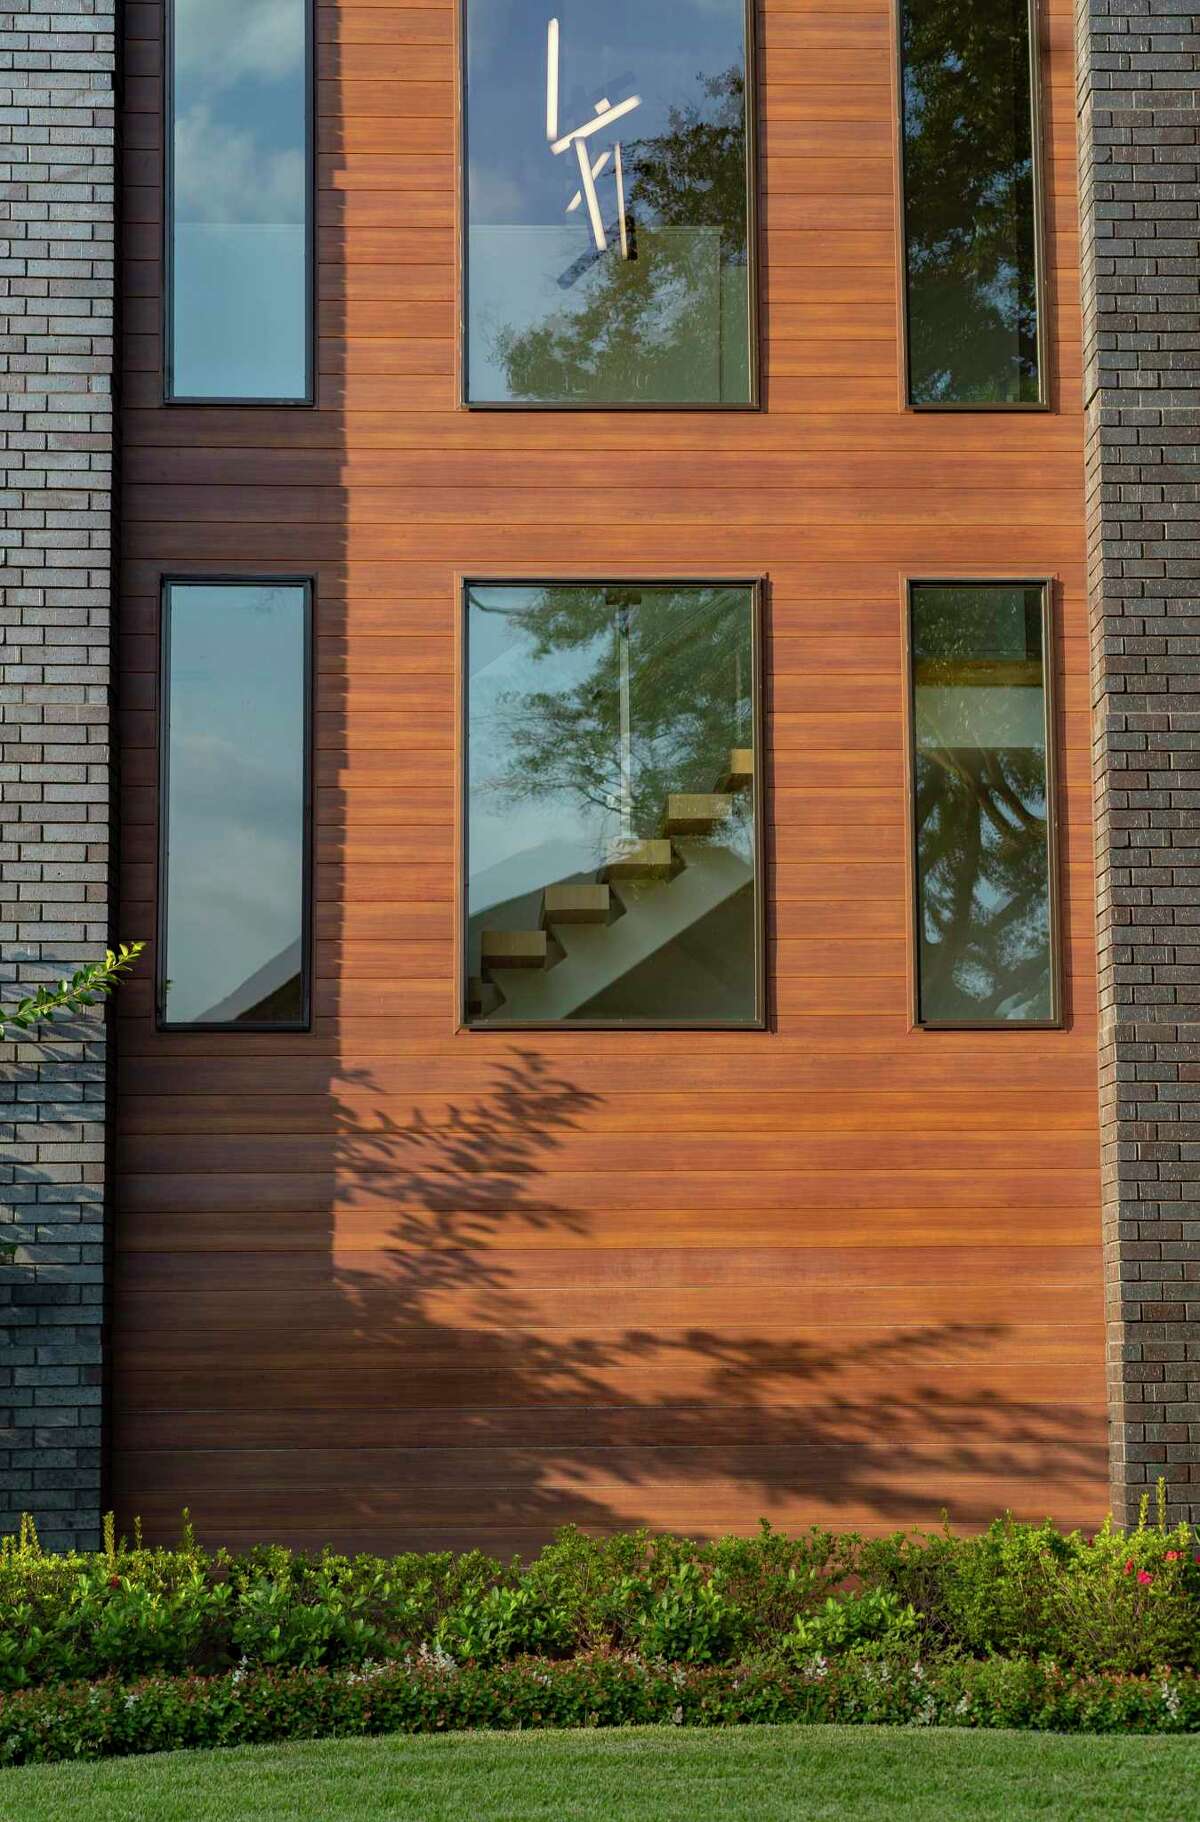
x,y
1129,1567
1173,1556
114,1581
1144,1577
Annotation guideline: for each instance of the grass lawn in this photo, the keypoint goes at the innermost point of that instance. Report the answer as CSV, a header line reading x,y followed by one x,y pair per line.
x,y
743,1774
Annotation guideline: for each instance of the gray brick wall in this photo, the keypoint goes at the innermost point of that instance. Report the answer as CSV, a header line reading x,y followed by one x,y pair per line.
x,y
1140,210
56,447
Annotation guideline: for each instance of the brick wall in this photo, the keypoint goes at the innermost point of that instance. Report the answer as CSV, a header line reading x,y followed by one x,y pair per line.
x,y
56,442
1140,204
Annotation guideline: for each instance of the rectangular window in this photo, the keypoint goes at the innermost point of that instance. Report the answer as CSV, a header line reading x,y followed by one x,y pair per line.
x,y
609,158
239,210
612,866
234,805
983,803
972,203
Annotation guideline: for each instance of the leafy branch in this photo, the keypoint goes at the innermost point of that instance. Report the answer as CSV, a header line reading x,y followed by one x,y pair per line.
x,y
86,987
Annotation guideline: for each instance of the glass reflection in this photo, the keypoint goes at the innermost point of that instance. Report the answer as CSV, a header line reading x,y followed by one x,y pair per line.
x,y
239,301
235,790
969,210
610,817
982,832
607,246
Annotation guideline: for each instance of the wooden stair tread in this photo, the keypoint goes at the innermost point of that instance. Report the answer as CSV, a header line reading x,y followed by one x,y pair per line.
x,y
513,948
576,904
740,775
483,997
639,860
696,812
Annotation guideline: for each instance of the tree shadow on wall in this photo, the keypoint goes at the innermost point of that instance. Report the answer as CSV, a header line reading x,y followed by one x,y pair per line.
x,y
510,1416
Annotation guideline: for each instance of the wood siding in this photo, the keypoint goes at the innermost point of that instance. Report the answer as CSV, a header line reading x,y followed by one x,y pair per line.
x,y
388,1284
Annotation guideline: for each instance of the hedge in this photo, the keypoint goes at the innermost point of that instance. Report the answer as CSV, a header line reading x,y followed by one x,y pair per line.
x,y
1110,1602
160,1714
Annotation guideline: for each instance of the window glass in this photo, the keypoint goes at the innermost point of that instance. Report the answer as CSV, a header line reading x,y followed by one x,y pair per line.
x,y
239,234
608,252
611,854
234,800
981,819
969,203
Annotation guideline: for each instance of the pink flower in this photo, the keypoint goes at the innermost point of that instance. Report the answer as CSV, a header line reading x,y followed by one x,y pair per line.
x,y
1173,1556
1129,1567
1144,1576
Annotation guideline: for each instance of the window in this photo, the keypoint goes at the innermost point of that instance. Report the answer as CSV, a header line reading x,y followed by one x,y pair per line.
x,y
239,216
612,868
234,813
983,803
972,203
609,228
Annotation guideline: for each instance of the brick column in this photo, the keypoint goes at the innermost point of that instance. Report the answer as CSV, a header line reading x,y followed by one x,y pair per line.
x,y
57,132
1139,163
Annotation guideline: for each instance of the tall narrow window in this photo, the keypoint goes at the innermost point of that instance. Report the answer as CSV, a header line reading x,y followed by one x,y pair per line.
x,y
239,230
233,845
612,755
972,205
609,234
983,810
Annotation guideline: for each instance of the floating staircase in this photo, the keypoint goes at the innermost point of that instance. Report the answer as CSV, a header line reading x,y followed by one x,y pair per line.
x,y
645,896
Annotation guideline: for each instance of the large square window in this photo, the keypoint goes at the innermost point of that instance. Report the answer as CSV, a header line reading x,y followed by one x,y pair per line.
x,y
613,757
609,234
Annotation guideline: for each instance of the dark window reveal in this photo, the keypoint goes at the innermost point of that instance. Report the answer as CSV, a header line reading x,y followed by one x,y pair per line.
x,y
612,858
609,247
983,813
233,899
971,203
240,176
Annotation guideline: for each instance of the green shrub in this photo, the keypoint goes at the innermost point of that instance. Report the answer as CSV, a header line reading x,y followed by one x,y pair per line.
x,y
1124,1602
500,1623
1113,1601
689,1621
876,1621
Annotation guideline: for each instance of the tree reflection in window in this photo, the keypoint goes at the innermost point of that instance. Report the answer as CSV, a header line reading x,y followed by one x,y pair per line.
x,y
621,273
612,871
969,203
981,811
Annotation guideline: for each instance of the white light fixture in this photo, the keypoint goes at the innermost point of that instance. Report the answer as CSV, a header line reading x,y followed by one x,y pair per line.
x,y
604,115
552,80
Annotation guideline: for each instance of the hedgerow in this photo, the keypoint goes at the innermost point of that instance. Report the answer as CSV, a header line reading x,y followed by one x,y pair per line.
x,y
432,1694
130,1647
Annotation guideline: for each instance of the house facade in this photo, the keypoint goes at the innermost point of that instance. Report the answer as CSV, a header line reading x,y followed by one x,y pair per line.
x,y
612,593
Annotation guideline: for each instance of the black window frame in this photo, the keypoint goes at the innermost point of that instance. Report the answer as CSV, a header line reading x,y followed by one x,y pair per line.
x,y
757,586
1043,401
224,579
167,361
754,277
1058,1015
